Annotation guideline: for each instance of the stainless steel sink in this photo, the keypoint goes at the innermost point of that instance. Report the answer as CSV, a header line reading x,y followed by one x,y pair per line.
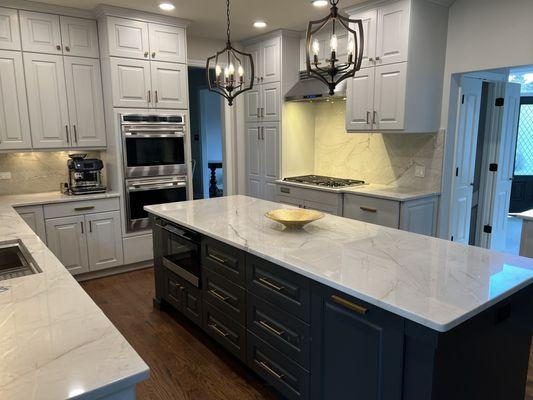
x,y
15,260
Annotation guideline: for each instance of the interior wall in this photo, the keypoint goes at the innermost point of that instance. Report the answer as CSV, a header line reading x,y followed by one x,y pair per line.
x,y
199,49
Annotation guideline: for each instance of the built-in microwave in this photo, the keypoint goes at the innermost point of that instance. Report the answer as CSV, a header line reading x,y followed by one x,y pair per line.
x,y
153,145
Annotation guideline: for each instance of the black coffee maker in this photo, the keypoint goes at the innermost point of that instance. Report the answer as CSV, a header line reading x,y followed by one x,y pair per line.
x,y
85,174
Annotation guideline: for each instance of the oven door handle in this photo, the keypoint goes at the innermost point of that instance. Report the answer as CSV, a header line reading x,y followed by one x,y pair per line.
x,y
144,134
137,187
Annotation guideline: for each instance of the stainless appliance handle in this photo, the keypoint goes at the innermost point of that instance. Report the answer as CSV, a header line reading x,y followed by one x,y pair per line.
x,y
140,133
176,231
150,186
66,131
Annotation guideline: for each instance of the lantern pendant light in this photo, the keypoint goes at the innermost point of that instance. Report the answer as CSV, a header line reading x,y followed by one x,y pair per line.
x,y
229,80
334,69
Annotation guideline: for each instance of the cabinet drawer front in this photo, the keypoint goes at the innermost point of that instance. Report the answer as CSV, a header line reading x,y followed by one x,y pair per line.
x,y
173,289
225,331
224,295
278,286
192,302
287,377
282,331
312,195
80,207
224,260
373,210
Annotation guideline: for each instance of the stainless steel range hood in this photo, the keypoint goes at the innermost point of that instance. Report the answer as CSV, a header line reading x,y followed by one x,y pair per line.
x,y
311,89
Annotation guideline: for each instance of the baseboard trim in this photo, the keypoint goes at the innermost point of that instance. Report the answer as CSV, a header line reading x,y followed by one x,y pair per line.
x,y
114,271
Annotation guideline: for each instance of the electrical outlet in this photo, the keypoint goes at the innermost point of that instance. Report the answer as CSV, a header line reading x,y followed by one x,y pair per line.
x,y
420,171
5,175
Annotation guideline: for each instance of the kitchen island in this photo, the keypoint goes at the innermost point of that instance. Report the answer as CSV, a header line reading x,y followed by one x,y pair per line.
x,y
345,309
526,239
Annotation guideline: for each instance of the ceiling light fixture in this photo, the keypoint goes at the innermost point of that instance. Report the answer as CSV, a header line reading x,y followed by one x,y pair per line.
x,y
320,3
260,24
230,81
166,6
336,68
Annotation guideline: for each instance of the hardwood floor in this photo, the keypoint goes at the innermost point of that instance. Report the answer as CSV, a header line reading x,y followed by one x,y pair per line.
x,y
184,363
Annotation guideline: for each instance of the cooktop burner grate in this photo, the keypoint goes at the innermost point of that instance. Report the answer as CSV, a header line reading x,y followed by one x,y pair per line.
x,y
327,181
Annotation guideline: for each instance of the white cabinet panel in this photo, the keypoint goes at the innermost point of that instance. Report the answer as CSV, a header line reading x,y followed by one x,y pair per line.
x,y
79,37
254,150
420,216
34,217
270,139
255,51
372,210
269,191
389,96
255,187
360,100
104,240
393,33
169,84
131,83
127,38
14,120
66,239
85,101
270,104
47,100
270,60
9,29
40,32
252,104
369,21
167,43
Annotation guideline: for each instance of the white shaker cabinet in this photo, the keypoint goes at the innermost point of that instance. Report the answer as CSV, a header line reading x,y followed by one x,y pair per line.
x,y
104,239
131,82
252,104
85,101
15,129
255,51
79,37
392,33
47,100
9,29
169,85
34,217
167,43
271,60
360,100
127,38
263,103
369,21
255,160
40,32
389,96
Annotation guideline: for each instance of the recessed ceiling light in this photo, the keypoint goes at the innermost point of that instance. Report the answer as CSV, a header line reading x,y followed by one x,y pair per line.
x,y
166,6
320,3
260,24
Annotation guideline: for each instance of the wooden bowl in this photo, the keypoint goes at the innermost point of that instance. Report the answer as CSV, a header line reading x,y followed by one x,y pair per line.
x,y
295,218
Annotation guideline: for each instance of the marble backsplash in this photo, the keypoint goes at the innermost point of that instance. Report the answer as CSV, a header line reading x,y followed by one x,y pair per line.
x,y
35,172
387,159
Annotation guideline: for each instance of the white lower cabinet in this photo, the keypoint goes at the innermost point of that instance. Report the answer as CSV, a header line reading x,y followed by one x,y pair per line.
x,y
313,199
104,240
263,159
34,217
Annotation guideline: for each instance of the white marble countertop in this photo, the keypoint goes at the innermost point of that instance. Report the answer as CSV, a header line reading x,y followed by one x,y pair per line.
x,y
436,283
526,215
371,190
55,343
32,199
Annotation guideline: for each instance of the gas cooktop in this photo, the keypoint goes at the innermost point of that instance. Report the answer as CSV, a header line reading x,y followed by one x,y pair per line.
x,y
327,181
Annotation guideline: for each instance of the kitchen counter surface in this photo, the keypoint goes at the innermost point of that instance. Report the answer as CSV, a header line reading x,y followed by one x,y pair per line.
x,y
526,215
436,283
32,199
371,190
55,343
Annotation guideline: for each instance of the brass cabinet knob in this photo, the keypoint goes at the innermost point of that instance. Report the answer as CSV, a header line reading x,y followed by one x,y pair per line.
x,y
145,54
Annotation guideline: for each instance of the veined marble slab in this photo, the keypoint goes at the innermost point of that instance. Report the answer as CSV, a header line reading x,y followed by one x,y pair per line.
x,y
526,215
33,199
434,282
55,343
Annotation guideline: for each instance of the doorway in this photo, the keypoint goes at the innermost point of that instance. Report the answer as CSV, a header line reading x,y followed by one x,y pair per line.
x,y
207,144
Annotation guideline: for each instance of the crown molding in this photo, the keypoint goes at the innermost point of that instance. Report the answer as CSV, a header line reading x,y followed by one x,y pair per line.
x,y
34,6
103,10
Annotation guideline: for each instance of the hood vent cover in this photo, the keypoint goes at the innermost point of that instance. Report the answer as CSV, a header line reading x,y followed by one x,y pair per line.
x,y
310,89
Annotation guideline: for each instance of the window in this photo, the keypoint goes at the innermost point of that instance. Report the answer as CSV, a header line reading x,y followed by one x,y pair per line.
x,y
524,143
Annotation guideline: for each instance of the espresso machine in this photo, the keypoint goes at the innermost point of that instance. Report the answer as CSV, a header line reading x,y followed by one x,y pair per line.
x,y
84,175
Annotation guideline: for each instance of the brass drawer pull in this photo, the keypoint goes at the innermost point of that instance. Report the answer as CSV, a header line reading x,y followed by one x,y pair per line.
x,y
372,210
218,295
84,208
271,285
218,330
270,370
270,328
348,304
217,258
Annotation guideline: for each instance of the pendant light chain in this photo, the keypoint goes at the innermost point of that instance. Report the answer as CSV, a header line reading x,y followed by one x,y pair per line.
x,y
227,16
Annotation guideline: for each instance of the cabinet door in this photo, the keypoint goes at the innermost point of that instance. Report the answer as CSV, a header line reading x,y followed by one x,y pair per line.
x,y
34,217
131,83
104,240
357,349
40,32
169,85
255,160
389,96
360,100
79,37
47,100
271,102
252,104
419,216
271,159
369,20
127,38
15,126
271,60
85,101
9,29
255,51
392,33
67,240
167,43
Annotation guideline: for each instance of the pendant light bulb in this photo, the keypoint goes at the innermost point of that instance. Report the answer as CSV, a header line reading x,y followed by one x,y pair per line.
x,y
231,69
333,42
240,70
350,47
218,70
316,47
226,72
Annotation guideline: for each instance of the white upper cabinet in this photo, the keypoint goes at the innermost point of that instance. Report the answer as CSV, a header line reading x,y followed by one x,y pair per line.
x,y
270,102
79,37
270,60
127,38
392,33
270,137
167,43
255,51
169,85
389,96
360,100
14,122
40,32
252,104
9,29
132,86
47,100
369,21
85,101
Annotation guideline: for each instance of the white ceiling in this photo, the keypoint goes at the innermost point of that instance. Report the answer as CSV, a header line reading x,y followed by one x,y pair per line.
x,y
208,17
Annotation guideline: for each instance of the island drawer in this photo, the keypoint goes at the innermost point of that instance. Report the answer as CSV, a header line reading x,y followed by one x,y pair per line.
x,y
282,331
283,374
183,296
80,207
372,210
279,286
226,296
225,331
172,291
224,260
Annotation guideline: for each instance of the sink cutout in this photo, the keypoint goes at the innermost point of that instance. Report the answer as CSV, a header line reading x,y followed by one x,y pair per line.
x,y
16,261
